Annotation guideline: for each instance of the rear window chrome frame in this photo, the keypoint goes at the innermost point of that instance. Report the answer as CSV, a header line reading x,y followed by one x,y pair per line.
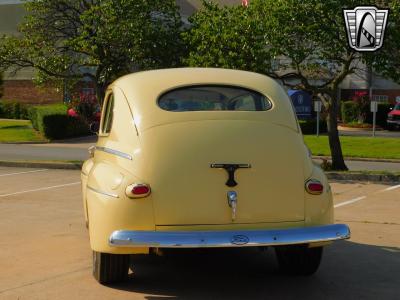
x,y
268,99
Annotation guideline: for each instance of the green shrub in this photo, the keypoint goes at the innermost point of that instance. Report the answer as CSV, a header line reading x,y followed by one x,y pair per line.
x,y
310,126
381,114
60,126
37,113
350,112
13,110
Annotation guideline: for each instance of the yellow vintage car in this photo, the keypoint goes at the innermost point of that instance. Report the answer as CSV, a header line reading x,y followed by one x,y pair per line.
x,y
202,157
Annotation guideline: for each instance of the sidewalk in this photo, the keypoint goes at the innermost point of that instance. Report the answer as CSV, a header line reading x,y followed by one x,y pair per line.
x,y
62,150
367,133
358,164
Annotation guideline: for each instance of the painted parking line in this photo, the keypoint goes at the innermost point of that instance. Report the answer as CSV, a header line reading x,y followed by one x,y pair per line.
x,y
41,189
392,188
350,201
26,172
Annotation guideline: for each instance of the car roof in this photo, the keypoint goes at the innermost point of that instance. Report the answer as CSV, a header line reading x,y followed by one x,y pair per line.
x,y
142,90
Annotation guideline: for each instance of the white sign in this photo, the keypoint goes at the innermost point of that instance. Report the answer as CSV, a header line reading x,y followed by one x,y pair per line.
x,y
317,106
374,106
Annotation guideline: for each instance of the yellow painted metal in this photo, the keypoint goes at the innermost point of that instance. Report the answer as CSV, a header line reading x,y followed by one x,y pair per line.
x,y
172,152
187,191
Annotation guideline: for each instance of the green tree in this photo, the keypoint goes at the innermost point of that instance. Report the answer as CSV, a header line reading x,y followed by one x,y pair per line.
x,y
97,39
307,38
386,61
226,37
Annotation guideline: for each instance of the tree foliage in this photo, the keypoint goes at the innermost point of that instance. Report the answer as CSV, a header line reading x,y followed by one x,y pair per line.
x,y
226,37
387,60
307,38
98,39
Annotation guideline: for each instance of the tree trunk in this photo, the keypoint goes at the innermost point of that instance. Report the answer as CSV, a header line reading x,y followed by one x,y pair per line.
x,y
100,93
100,84
333,133
100,89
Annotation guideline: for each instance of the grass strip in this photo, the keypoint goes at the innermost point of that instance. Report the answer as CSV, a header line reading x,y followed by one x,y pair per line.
x,y
352,146
18,131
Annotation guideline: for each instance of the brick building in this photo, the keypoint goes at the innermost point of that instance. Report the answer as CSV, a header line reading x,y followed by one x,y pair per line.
x,y
20,86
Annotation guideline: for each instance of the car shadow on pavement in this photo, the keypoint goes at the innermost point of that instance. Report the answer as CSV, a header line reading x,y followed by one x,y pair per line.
x,y
348,271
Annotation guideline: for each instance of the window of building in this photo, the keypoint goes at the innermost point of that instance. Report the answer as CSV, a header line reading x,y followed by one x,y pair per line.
x,y
380,98
275,64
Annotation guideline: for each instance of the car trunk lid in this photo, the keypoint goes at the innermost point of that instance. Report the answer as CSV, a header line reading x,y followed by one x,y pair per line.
x,y
187,190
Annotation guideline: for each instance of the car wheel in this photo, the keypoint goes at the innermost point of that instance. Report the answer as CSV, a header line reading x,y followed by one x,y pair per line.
x,y
108,268
299,259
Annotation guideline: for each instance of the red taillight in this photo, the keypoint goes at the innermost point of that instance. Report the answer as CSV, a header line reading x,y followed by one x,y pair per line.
x,y
138,190
314,187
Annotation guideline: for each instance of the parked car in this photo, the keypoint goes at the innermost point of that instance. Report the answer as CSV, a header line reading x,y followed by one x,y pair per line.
x,y
203,158
393,119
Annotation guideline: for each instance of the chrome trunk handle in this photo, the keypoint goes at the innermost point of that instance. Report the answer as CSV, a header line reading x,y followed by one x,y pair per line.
x,y
232,202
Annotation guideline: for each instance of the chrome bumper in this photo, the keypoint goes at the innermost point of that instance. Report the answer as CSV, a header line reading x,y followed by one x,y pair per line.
x,y
237,238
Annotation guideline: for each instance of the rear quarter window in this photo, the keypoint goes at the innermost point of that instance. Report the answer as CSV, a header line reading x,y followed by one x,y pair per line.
x,y
213,98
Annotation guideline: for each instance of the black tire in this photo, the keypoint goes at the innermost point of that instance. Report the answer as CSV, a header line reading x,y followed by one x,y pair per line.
x,y
110,268
298,259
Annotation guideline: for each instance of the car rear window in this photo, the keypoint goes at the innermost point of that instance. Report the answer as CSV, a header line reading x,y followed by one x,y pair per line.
x,y
213,98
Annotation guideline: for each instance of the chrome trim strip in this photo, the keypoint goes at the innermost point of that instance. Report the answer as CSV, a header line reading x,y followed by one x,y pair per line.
x,y
114,152
101,192
229,238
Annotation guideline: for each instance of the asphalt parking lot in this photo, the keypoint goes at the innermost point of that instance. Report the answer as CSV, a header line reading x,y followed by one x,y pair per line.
x,y
45,254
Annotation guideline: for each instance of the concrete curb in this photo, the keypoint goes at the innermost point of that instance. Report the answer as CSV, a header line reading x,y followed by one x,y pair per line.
x,y
42,164
360,159
24,143
355,129
363,177
83,139
353,176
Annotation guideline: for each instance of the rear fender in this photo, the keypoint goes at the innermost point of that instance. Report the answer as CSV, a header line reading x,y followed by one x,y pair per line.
x,y
109,209
319,208
86,167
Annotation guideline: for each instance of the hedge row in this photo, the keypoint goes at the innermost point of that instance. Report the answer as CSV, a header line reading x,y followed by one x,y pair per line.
x,y
50,120
61,126
54,123
381,114
310,126
37,113
13,110
350,113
